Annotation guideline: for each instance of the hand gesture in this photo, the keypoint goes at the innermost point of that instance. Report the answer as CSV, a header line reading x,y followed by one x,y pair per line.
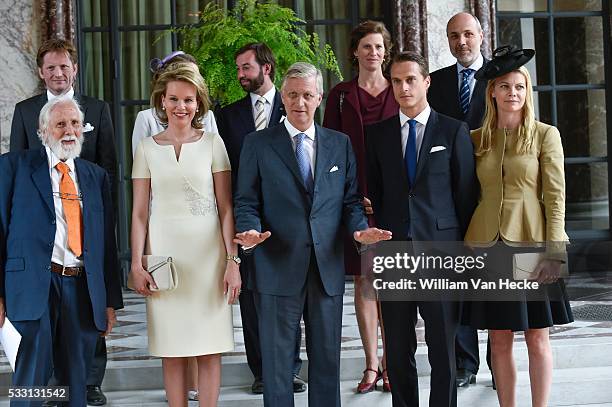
x,y
251,238
231,282
142,280
367,206
111,319
548,271
371,235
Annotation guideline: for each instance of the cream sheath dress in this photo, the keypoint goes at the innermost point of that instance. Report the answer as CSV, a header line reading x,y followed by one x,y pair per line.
x,y
194,319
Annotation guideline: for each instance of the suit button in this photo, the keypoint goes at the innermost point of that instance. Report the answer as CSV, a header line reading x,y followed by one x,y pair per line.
x,y
53,221
48,268
51,244
410,195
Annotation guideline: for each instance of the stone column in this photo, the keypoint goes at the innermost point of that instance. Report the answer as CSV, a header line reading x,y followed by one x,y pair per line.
x,y
410,25
484,10
57,19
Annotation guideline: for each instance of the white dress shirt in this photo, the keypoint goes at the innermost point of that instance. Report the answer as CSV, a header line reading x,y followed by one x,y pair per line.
x,y
421,119
51,96
269,101
309,141
61,253
475,66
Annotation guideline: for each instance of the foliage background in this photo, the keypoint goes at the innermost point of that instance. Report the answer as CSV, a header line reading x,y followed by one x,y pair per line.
x,y
215,39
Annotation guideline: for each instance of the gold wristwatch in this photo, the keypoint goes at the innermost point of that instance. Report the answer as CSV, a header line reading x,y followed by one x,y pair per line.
x,y
233,258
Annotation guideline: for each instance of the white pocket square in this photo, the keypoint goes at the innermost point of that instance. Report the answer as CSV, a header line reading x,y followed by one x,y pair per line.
x,y
334,168
437,148
282,119
87,127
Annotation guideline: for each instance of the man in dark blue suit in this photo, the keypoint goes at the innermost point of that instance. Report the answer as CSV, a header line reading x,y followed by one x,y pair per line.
x,y
423,187
59,282
297,189
455,92
261,108
57,67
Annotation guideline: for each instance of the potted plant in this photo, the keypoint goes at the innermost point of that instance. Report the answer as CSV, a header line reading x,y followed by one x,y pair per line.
x,y
215,39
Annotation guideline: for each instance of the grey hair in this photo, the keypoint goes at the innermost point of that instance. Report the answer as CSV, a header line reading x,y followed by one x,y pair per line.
x,y
304,70
469,14
45,113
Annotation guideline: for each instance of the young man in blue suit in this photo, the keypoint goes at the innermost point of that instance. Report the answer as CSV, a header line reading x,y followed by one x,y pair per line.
x,y
261,108
59,281
423,187
297,189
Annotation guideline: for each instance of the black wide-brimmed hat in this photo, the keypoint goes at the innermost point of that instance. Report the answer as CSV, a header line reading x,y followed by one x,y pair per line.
x,y
505,59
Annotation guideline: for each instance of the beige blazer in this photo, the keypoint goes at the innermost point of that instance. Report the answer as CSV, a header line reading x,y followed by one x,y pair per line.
x,y
522,197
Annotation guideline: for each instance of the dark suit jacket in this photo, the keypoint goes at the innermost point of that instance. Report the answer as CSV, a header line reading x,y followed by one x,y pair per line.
x,y
27,233
443,96
271,196
99,145
235,121
441,202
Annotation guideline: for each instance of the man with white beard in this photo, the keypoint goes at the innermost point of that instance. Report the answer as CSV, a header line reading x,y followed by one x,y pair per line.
x,y
59,281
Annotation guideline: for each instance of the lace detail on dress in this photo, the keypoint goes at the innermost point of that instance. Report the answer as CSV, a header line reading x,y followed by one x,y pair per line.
x,y
198,204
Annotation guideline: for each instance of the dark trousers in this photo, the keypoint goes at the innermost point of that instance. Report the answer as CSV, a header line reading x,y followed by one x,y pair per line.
x,y
441,321
62,340
466,349
278,318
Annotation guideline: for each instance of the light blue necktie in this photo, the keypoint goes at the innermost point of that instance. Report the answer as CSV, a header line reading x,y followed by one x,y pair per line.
x,y
410,154
464,91
303,160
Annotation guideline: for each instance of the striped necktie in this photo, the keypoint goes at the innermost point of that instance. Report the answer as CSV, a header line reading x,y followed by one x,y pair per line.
x,y
303,160
464,91
260,114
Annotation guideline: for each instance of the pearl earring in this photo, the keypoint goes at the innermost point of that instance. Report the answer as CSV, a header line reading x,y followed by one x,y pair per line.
x,y
163,107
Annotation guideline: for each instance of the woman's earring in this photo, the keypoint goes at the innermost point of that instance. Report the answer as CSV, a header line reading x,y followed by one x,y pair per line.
x,y
163,107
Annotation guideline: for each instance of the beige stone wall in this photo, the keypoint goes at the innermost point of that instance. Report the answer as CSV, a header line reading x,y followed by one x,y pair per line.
x,y
19,40
438,14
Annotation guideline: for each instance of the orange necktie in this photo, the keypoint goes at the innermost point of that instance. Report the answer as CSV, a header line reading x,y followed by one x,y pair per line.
x,y
72,209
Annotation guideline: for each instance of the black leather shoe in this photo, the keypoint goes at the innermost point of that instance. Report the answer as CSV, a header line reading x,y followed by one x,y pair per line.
x,y
299,385
48,403
465,378
257,386
95,397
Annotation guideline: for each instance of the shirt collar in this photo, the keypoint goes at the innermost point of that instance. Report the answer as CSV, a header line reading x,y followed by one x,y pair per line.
x,y
421,117
476,65
310,132
51,96
53,160
269,96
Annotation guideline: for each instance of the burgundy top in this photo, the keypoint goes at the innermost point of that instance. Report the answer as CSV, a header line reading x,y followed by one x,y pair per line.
x,y
372,107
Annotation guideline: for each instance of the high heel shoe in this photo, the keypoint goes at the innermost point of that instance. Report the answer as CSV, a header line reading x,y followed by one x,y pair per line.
x,y
386,384
366,387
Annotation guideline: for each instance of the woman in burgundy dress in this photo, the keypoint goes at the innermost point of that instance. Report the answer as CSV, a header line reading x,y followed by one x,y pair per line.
x,y
351,105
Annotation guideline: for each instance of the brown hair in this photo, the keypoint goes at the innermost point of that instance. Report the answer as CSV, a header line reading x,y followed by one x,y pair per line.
x,y
366,28
409,56
56,45
263,55
184,73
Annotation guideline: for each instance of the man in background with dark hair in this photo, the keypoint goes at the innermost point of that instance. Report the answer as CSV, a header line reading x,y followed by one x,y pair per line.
x,y
57,67
262,107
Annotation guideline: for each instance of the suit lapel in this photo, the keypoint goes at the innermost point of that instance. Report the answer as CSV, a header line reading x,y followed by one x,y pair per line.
x,y
453,80
428,137
278,110
324,153
42,180
79,98
283,147
246,114
395,147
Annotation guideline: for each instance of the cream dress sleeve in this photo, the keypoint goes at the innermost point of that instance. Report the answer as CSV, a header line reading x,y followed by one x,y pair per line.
x,y
140,165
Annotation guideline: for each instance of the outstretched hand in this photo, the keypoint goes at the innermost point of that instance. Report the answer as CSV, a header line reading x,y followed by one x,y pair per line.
x,y
251,238
371,235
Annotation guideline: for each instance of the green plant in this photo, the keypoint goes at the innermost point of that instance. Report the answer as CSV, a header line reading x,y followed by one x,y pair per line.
x,y
215,39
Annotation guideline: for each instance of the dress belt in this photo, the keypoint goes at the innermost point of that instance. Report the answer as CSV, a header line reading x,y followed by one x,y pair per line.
x,y
67,271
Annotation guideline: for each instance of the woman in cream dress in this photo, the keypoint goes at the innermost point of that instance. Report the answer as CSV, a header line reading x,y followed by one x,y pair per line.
x,y
185,173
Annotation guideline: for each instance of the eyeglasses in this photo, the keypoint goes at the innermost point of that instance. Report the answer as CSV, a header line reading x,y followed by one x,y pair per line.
x,y
68,197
